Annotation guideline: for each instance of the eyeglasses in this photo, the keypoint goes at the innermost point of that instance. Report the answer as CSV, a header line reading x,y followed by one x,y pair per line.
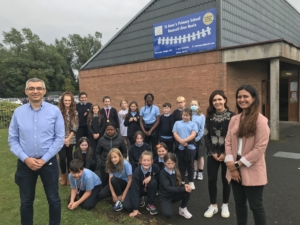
x,y
35,88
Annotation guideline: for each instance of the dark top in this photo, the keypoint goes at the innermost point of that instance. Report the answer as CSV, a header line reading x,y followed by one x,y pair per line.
x,y
105,144
166,125
113,116
81,109
132,126
135,154
161,165
215,132
177,115
87,161
96,128
137,183
167,185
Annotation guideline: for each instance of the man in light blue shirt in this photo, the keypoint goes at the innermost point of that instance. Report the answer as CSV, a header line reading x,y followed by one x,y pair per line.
x,y
36,134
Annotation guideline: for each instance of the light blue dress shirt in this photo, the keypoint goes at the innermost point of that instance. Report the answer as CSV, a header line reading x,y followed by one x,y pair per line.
x,y
127,171
184,129
200,121
149,113
86,182
36,133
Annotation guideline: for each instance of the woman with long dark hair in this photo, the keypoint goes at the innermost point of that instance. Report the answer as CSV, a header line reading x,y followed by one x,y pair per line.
x,y
216,125
67,106
246,143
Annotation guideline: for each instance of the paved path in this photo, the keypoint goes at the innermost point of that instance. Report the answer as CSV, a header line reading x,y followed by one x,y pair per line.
x,y
281,195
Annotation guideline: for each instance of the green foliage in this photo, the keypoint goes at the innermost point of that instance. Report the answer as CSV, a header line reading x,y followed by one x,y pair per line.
x,y
6,111
23,55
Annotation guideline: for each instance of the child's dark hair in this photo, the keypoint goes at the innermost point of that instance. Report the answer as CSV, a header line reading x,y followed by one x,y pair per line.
x,y
173,158
167,104
187,110
146,95
82,93
88,151
91,115
137,134
111,124
137,107
161,144
76,165
106,97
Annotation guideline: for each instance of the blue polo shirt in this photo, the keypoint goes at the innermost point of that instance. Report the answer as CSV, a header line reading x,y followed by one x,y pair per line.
x,y
127,171
87,181
184,129
149,113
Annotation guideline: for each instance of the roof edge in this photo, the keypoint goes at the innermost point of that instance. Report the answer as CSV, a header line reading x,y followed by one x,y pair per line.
x,y
117,34
287,1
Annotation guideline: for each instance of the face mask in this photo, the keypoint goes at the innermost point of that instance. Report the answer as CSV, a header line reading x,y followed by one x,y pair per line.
x,y
194,108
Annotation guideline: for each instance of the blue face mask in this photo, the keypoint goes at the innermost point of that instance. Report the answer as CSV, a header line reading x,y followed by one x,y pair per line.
x,y
194,108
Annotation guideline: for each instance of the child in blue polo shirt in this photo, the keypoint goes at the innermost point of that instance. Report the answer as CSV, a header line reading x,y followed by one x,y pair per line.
x,y
120,178
149,121
85,186
185,132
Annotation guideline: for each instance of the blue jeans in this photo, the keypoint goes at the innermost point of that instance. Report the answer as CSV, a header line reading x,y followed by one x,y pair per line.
x,y
26,179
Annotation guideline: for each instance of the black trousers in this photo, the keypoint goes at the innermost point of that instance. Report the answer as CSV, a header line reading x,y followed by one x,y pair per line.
x,y
169,144
81,132
131,140
185,163
212,173
167,203
93,142
92,200
66,153
152,188
152,141
254,195
119,186
104,176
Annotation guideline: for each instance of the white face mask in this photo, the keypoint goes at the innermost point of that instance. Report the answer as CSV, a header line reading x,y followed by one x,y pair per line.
x,y
194,108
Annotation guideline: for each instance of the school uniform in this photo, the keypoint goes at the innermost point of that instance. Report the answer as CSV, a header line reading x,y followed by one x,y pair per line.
x,y
160,163
123,129
118,181
132,126
105,144
200,121
82,129
89,161
137,189
170,193
89,181
149,114
135,153
177,115
95,128
111,116
166,124
186,155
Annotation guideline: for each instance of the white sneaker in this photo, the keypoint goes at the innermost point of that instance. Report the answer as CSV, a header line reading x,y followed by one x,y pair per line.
x,y
195,175
200,176
225,211
192,185
182,182
185,213
211,211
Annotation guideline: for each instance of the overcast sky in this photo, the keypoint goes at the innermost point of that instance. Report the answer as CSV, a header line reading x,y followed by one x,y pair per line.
x,y
59,18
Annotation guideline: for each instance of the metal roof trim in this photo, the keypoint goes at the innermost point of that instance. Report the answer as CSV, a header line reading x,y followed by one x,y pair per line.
x,y
287,1
116,35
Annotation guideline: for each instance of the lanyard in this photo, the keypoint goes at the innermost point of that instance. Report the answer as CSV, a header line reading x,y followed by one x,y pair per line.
x,y
78,187
107,113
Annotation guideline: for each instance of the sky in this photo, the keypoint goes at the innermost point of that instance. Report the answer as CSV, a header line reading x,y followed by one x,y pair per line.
x,y
59,18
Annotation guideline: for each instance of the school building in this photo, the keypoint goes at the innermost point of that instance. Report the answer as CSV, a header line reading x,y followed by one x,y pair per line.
x,y
192,47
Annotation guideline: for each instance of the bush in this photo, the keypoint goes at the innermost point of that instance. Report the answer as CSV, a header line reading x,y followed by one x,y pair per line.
x,y
6,111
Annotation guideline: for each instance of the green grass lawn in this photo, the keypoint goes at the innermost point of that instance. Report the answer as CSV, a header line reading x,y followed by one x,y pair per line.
x,y
10,201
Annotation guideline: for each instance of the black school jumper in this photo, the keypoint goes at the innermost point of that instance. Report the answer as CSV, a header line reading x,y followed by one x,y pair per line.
x,y
165,129
135,153
170,193
132,126
95,128
137,188
113,116
82,129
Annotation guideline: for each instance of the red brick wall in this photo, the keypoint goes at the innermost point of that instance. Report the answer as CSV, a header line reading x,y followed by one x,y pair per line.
x,y
191,76
250,72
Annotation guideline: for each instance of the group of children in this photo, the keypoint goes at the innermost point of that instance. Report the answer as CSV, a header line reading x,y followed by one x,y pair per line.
x,y
152,166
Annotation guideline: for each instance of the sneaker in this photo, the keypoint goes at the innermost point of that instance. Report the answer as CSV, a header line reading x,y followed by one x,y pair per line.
x,y
152,209
118,206
225,211
182,182
185,213
195,175
192,185
200,176
142,202
211,211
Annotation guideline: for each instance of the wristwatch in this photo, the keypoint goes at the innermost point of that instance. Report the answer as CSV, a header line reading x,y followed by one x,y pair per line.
x,y
237,165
